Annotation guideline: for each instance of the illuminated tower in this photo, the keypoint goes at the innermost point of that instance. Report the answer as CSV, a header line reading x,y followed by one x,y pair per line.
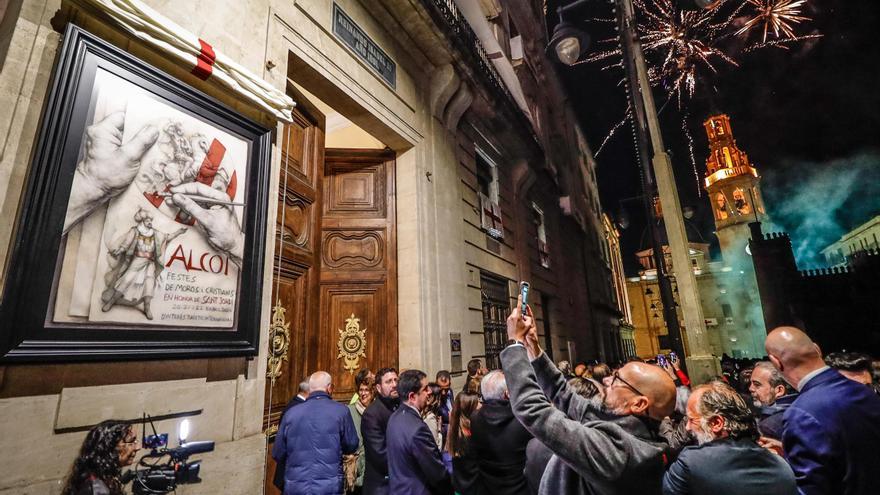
x,y
734,189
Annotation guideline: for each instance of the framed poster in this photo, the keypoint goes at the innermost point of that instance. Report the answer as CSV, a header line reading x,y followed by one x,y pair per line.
x,y
142,230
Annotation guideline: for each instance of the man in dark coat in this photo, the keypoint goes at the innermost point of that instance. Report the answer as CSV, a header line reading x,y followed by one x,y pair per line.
x,y
770,392
447,398
612,449
374,424
499,440
831,432
414,463
727,460
312,438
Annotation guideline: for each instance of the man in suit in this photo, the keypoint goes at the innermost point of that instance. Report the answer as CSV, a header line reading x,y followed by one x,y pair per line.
x,y
312,438
278,478
831,433
374,424
727,459
414,463
447,398
772,395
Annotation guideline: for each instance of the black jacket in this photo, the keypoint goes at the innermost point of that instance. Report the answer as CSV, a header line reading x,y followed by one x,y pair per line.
x,y
499,444
729,467
770,417
465,472
374,424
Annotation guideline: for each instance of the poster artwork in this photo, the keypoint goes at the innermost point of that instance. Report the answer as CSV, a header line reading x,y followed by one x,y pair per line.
x,y
166,249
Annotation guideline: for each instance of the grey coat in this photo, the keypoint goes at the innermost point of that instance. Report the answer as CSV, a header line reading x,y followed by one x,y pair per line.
x,y
594,453
729,467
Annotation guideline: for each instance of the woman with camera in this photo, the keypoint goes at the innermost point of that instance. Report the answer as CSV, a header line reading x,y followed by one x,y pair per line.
x,y
109,446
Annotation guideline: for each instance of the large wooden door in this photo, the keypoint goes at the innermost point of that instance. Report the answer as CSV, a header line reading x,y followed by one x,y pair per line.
x,y
358,265
296,266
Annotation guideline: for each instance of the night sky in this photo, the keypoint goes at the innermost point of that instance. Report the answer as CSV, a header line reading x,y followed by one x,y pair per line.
x,y
808,117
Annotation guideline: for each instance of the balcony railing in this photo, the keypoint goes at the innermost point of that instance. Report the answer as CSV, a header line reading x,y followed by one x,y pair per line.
x,y
446,14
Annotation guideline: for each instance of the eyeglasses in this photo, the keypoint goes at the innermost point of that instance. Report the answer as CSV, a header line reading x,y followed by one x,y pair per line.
x,y
617,377
130,440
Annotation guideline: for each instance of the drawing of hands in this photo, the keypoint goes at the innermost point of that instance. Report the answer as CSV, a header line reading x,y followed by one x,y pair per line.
x,y
218,223
108,166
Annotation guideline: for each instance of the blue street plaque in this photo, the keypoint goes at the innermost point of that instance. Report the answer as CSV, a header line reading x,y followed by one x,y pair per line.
x,y
366,49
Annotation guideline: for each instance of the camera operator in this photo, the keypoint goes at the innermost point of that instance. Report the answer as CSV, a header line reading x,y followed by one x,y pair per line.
x,y
109,446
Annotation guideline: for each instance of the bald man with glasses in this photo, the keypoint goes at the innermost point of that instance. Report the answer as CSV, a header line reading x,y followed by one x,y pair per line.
x,y
609,447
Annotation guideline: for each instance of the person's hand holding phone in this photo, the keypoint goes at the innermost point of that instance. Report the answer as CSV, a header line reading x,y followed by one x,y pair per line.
x,y
519,324
673,360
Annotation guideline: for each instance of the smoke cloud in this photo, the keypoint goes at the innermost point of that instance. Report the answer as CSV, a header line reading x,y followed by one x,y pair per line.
x,y
818,202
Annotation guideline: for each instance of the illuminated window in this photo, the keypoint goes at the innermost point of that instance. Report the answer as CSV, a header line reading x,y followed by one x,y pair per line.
x,y
720,206
740,203
487,176
727,159
490,209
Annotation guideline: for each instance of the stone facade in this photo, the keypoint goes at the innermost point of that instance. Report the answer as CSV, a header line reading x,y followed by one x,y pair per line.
x,y
441,110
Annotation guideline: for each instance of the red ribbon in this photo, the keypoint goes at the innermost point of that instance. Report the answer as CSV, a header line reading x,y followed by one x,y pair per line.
x,y
205,61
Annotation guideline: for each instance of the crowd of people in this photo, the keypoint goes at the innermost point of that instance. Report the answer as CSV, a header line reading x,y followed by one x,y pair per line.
x,y
792,423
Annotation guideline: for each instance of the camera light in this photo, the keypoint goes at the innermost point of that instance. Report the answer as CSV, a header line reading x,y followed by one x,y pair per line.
x,y
183,431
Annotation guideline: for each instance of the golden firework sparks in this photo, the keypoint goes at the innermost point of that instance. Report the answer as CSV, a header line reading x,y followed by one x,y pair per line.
x,y
684,48
778,16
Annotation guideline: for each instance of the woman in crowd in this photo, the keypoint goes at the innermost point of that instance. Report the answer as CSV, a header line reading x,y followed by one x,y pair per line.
x,y
108,447
355,465
464,465
431,414
473,384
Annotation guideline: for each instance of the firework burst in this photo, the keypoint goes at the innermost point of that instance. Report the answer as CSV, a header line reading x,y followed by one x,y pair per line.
x,y
685,48
778,16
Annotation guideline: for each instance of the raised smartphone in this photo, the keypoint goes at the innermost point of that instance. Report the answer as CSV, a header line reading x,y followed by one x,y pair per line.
x,y
524,292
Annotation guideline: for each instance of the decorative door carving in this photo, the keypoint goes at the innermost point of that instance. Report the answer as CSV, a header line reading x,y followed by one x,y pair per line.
x,y
358,265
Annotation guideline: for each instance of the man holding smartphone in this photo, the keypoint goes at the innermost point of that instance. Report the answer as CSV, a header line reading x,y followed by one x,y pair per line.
x,y
609,449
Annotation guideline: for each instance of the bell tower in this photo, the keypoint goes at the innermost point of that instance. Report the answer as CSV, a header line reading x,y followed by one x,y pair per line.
x,y
733,185
734,190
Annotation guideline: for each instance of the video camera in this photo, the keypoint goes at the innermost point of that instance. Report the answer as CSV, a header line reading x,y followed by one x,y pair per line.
x,y
162,469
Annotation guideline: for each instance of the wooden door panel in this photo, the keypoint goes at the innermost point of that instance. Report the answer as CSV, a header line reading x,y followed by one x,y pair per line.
x,y
354,249
358,262
354,190
296,223
299,144
293,293
346,305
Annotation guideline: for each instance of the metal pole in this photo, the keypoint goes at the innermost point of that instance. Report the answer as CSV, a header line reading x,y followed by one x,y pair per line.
x,y
670,315
700,361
